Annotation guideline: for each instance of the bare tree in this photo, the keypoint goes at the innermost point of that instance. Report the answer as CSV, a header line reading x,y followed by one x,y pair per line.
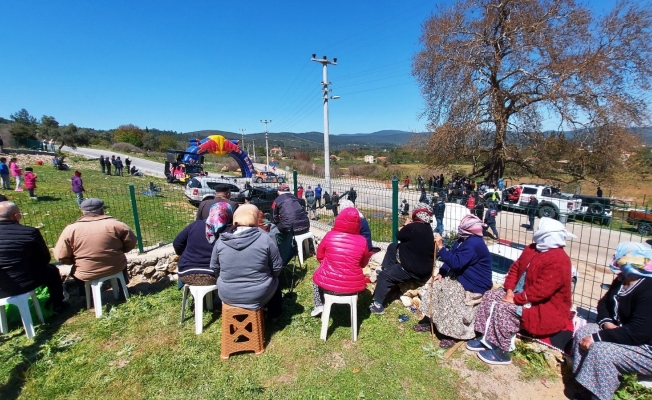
x,y
494,72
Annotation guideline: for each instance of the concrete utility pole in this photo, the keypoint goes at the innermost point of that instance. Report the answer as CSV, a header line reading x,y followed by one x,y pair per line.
x,y
253,145
266,140
327,161
242,146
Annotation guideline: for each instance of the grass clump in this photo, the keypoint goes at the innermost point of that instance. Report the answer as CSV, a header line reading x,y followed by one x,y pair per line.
x,y
533,364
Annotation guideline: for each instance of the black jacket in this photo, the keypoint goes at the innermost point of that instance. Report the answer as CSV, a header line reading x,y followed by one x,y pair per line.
x,y
23,257
416,249
353,195
287,212
631,313
439,210
532,207
194,250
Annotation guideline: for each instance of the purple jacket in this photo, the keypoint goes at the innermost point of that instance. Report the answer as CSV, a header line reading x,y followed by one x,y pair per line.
x,y
77,185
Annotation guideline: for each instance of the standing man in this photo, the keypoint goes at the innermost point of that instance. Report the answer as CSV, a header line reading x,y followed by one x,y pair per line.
x,y
2,145
352,195
335,203
318,191
102,165
490,221
532,207
118,166
406,183
113,162
25,259
222,194
95,244
107,164
4,174
287,212
430,183
128,164
440,209
52,145
599,193
311,204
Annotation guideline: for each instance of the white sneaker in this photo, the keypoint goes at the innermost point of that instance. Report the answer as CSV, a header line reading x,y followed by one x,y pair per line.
x,y
317,311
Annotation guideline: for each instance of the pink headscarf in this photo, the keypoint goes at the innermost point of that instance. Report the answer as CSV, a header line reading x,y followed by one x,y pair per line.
x,y
470,225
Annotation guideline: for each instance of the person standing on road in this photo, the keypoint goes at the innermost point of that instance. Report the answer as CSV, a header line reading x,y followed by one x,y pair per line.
x,y
532,207
438,212
128,164
102,165
318,191
300,192
352,195
490,222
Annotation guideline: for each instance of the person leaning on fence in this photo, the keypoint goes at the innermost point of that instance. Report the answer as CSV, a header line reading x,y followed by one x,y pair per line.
x,y
25,259
78,186
95,244
4,174
222,194
452,297
287,212
621,341
194,245
247,263
409,260
365,231
536,297
341,254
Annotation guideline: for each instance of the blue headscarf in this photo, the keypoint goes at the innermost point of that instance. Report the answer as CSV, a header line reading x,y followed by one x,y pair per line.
x,y
632,260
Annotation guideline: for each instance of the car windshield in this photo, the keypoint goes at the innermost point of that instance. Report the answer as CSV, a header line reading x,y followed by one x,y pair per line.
x,y
194,183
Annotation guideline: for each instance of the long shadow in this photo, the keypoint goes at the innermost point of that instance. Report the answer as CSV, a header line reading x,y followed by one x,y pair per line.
x,y
48,198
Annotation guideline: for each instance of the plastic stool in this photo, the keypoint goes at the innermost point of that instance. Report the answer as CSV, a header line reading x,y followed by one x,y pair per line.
x,y
95,286
300,239
242,330
329,300
22,302
198,293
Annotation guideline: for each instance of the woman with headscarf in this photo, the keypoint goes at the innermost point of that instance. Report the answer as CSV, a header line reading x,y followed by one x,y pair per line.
x,y
195,244
364,224
409,260
248,264
452,297
621,341
536,296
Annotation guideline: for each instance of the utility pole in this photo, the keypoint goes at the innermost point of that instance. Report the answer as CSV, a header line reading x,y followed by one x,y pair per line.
x,y
325,90
253,145
242,146
266,140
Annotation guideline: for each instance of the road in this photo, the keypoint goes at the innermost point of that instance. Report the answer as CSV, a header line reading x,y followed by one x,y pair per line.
x,y
142,164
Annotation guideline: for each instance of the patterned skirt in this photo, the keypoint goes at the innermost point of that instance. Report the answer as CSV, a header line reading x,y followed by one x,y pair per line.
x,y
497,320
451,308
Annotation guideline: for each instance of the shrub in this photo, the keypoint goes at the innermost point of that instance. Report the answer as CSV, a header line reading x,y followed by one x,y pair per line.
x,y
126,148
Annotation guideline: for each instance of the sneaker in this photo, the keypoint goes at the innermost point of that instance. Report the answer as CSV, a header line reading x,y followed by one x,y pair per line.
x,y
19,189
495,357
317,311
475,345
376,309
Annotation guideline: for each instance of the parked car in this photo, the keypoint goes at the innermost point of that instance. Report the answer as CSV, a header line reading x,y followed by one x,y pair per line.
x,y
266,177
552,202
260,196
203,188
642,221
595,209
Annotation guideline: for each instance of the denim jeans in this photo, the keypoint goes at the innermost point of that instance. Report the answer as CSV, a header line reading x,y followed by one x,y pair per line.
x,y
440,226
80,197
5,181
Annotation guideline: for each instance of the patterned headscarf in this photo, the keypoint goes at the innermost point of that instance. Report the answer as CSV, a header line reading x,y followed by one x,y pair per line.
x,y
220,215
632,260
470,225
422,213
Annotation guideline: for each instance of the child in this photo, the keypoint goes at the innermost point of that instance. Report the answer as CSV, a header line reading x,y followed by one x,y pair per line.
x,y
77,187
16,172
30,182
4,173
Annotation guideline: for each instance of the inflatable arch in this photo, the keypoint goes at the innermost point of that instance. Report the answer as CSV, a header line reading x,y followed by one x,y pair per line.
x,y
219,145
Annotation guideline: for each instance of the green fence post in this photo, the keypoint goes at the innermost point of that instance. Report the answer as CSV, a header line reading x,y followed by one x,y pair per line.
x,y
294,179
134,209
394,208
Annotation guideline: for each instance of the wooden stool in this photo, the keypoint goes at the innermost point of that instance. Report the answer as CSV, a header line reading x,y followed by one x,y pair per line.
x,y
242,330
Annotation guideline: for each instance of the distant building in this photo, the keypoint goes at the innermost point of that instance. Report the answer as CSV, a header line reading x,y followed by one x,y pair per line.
x,y
381,159
369,159
276,151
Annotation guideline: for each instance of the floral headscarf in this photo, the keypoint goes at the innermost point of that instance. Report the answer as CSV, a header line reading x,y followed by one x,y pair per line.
x,y
220,215
470,225
422,213
632,260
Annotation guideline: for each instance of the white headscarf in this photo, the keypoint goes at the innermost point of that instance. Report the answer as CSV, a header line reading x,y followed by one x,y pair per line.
x,y
344,204
551,234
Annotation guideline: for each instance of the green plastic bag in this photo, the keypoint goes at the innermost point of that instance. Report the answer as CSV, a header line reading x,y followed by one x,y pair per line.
x,y
43,295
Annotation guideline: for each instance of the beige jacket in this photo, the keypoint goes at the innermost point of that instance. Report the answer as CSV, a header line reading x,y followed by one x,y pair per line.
x,y
95,245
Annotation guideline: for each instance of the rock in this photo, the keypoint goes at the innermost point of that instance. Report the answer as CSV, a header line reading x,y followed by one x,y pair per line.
x,y
158,275
407,301
172,267
150,262
173,277
162,267
412,293
149,271
416,302
136,261
173,258
551,360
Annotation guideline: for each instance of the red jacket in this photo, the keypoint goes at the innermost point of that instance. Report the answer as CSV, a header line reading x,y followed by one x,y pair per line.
x,y
30,180
547,289
342,254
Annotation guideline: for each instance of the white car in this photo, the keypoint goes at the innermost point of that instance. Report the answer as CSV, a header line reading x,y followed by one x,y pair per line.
x,y
203,188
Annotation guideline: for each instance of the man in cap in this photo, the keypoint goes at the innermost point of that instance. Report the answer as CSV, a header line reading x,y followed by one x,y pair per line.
x,y
25,259
222,194
95,244
288,213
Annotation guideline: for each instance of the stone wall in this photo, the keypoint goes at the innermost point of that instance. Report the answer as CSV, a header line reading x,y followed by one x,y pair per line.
x,y
153,269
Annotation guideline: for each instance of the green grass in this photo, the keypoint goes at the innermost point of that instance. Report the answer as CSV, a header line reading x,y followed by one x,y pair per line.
x,y
533,365
138,350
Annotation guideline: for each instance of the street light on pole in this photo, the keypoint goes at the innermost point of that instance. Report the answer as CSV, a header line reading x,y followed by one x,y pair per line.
x,y
325,90
266,140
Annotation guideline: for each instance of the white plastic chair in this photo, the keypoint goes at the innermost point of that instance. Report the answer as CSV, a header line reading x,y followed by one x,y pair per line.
x,y
329,300
198,293
300,240
22,302
95,286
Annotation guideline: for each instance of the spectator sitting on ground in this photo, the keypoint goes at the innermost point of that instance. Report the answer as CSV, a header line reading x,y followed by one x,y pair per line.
x,y
195,245
341,254
452,297
248,263
222,194
134,172
536,296
95,244
409,260
25,259
621,340
364,224
287,212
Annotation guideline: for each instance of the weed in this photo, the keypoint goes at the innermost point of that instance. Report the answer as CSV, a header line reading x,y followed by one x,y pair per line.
x,y
533,364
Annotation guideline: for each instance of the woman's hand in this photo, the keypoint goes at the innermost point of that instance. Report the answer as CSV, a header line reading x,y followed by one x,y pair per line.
x,y
439,241
609,325
434,279
509,297
586,342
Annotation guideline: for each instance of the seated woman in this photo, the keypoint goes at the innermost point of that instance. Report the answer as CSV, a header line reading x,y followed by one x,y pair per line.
x,y
536,296
195,244
341,254
248,264
621,341
455,293
364,224
409,260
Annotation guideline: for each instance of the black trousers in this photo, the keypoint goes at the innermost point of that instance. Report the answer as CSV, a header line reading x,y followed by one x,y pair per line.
x,y
391,275
52,280
275,304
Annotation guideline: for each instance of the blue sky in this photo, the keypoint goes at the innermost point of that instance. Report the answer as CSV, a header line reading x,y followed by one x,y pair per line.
x,y
224,65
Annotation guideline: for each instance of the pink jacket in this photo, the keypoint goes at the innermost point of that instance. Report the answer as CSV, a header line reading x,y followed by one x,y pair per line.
x,y
342,255
15,169
30,180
